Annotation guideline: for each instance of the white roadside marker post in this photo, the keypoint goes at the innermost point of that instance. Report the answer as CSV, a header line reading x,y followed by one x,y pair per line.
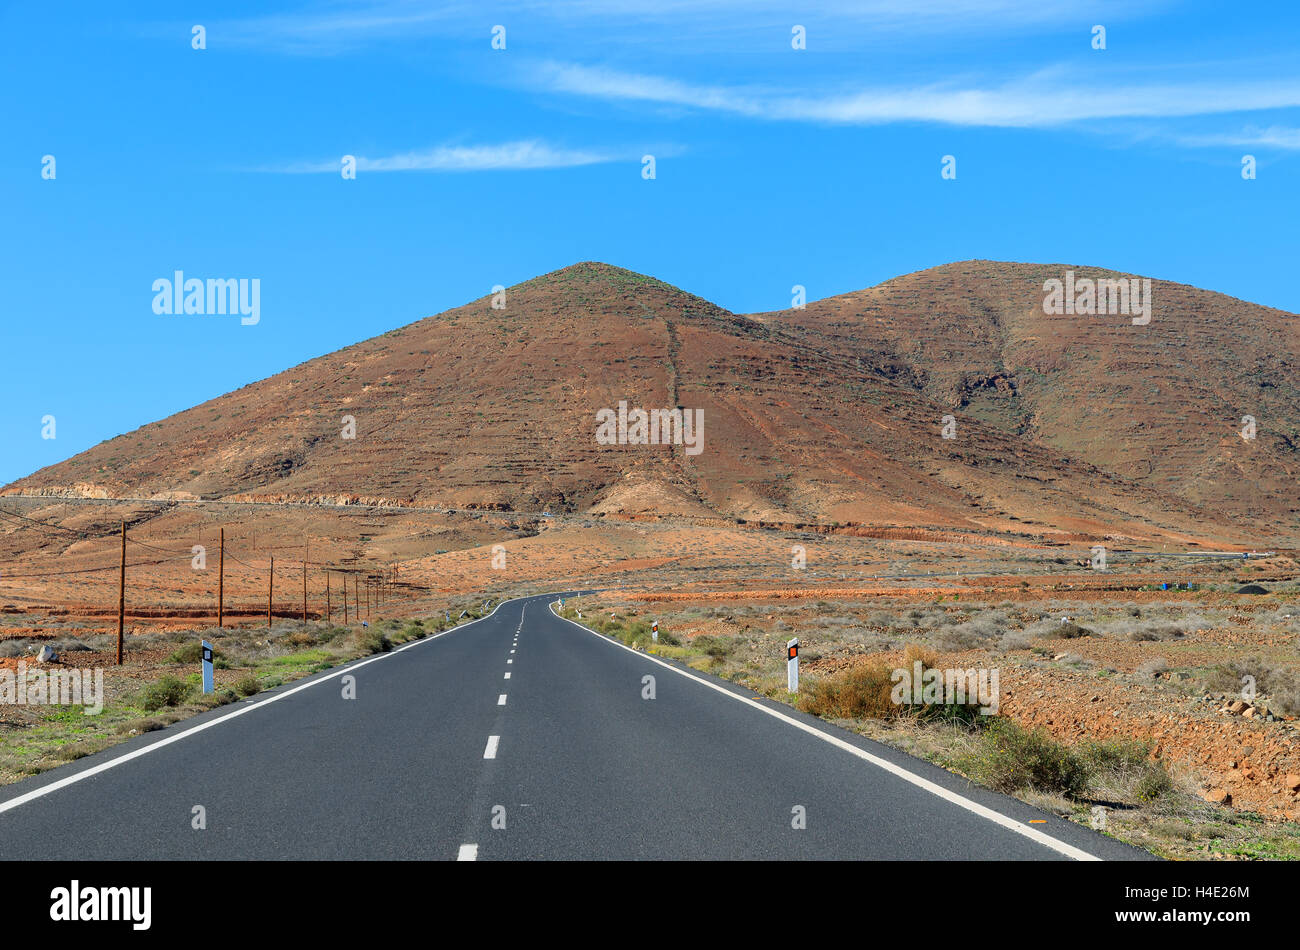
x,y
792,665
207,667
654,631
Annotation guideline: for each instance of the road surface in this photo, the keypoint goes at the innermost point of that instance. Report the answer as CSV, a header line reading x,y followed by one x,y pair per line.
x,y
525,720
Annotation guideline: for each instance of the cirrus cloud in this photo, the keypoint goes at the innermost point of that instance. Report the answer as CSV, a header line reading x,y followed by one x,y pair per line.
x,y
1040,99
525,154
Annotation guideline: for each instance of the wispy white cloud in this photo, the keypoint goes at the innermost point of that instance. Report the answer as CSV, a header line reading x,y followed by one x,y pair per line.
x,y
1274,136
1042,99
337,27
521,155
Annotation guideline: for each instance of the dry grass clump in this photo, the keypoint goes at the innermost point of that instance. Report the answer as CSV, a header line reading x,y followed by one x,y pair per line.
x,y
866,691
1278,687
1051,628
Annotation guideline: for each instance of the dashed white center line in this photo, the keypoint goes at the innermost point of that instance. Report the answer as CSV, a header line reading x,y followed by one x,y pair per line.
x,y
468,852
507,676
512,651
501,700
491,751
509,661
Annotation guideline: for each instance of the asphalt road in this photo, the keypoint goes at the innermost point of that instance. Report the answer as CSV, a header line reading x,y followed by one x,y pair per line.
x,y
528,721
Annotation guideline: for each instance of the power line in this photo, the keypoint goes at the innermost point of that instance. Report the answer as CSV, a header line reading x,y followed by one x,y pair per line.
x,y
46,524
85,535
152,547
94,570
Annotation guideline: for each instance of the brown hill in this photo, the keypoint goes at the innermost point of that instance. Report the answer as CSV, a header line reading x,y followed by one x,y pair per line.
x,y
1075,427
1161,404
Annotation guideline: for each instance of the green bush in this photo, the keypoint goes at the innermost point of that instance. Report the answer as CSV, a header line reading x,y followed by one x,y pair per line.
x,y
168,691
1118,755
248,686
192,652
1009,758
1153,782
716,647
373,641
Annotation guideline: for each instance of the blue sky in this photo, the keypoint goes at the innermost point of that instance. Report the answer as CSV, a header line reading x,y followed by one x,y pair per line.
x,y
478,166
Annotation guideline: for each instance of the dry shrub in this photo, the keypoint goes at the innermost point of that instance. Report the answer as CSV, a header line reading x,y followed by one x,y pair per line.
x,y
1154,667
865,691
1015,640
860,692
913,652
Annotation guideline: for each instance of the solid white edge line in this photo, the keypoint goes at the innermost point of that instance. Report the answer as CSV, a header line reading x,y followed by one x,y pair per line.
x,y
948,795
239,711
491,751
467,852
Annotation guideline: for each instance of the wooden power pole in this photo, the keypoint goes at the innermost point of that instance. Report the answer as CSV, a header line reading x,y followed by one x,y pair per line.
x,y
329,614
304,593
121,596
221,583
270,590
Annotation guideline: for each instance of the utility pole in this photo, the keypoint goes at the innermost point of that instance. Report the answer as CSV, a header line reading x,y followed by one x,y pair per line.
x,y
221,583
121,596
329,614
270,590
304,593
345,600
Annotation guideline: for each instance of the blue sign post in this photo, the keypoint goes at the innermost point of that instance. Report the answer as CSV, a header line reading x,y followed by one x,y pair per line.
x,y
207,666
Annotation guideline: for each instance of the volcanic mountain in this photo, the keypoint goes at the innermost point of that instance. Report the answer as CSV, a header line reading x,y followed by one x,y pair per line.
x,y
1070,426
